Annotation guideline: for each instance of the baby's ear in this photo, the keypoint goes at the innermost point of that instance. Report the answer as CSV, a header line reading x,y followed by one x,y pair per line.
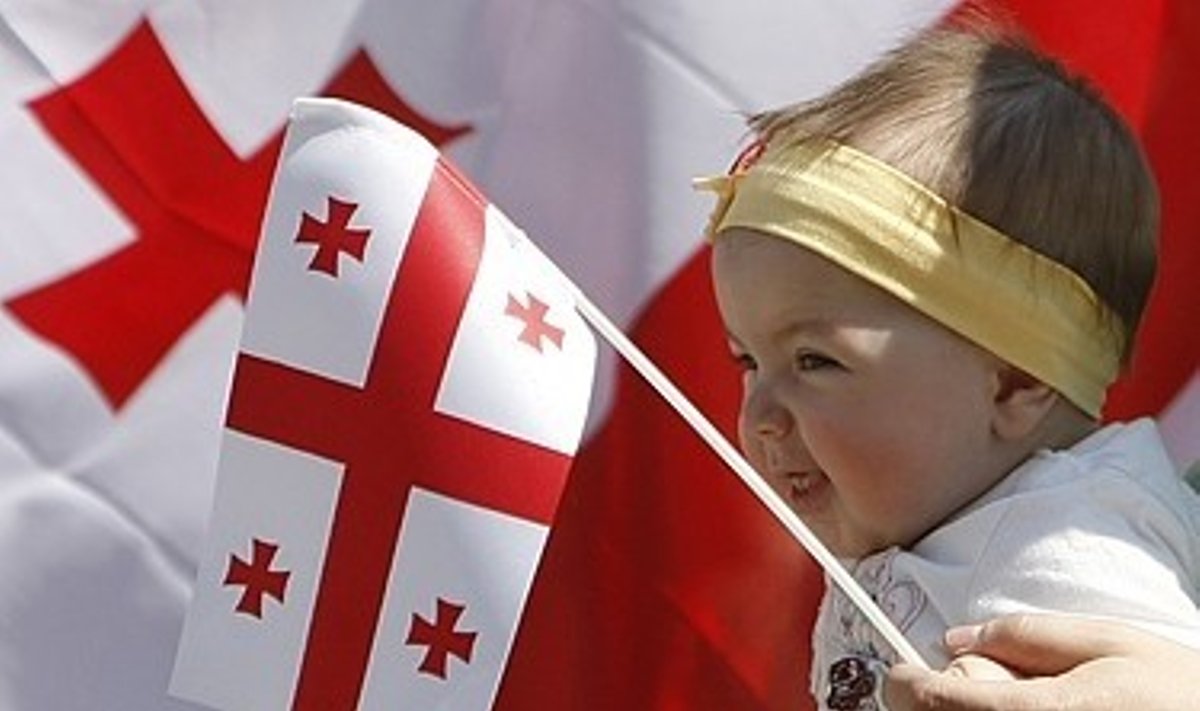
x,y
1021,402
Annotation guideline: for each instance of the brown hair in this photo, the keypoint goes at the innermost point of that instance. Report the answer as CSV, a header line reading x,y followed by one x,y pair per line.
x,y
1009,136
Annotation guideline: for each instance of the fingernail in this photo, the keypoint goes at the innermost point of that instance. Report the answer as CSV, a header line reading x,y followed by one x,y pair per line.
x,y
963,637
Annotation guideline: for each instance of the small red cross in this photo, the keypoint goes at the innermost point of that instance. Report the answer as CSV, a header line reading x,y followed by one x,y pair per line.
x,y
257,578
333,236
441,638
534,316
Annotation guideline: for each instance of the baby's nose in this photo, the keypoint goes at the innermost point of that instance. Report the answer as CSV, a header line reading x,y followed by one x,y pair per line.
x,y
764,415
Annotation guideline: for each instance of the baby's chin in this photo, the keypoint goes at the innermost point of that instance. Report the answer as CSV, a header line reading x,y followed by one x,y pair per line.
x,y
847,546
816,503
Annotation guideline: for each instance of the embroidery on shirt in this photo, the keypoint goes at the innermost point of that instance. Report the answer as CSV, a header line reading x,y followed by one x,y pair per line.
x,y
852,685
861,655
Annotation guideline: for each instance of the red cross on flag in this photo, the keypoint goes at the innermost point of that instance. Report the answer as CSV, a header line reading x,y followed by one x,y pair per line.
x,y
397,437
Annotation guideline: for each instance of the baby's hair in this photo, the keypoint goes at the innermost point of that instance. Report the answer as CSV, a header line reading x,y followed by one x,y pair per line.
x,y
1005,133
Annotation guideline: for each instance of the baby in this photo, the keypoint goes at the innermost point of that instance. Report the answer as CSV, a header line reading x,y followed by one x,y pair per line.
x,y
930,277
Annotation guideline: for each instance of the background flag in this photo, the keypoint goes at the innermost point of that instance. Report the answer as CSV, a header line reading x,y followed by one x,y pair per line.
x,y
411,385
138,141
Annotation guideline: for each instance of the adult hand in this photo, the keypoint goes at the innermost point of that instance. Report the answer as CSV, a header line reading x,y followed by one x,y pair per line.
x,y
1066,663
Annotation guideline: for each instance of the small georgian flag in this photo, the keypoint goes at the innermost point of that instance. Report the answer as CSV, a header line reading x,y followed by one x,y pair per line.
x,y
412,384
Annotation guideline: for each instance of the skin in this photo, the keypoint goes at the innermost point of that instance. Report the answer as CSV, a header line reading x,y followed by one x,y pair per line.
x,y
1069,664
846,406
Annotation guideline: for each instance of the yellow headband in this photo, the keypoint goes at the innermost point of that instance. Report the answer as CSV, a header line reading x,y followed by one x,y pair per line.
x,y
883,226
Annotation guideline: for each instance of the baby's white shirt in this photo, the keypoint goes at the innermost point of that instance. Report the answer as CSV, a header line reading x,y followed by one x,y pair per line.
x,y
1105,529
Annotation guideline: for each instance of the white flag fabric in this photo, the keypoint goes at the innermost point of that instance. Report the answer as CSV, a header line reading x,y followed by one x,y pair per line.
x,y
138,140
365,551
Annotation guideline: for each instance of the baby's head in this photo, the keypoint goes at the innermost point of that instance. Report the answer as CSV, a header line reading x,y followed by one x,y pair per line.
x,y
929,274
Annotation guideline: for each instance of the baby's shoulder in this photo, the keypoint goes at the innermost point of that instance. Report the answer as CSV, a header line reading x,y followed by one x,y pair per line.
x,y
1122,471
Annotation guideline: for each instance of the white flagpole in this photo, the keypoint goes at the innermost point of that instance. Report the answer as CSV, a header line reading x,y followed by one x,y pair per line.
x,y
733,458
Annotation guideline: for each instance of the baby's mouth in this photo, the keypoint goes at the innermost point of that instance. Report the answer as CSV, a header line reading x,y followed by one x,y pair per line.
x,y
804,489
802,482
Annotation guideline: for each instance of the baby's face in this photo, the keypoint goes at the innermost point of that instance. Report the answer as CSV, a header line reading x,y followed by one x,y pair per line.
x,y
871,420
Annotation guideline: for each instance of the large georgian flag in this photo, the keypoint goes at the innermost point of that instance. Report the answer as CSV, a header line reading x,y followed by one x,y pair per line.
x,y
411,385
137,141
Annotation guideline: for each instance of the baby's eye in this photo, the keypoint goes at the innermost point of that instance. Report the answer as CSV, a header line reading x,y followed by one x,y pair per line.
x,y
808,360
744,361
